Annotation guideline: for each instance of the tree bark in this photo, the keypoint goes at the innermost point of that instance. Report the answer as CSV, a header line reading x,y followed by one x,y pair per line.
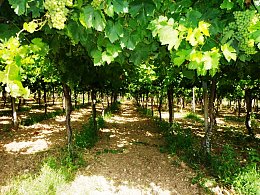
x,y
94,111
83,97
45,97
209,112
146,101
4,94
193,100
239,106
53,95
256,106
160,107
170,103
39,97
108,104
88,96
152,102
68,110
75,97
14,114
19,104
207,143
248,100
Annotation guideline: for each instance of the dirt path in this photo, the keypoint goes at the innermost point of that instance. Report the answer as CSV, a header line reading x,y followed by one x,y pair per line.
x,y
127,160
23,150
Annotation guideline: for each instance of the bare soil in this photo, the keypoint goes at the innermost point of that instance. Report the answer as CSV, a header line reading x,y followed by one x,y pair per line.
x,y
126,159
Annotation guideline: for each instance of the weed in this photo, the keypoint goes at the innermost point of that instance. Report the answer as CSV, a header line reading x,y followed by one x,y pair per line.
x,y
38,118
248,180
113,108
54,174
253,156
100,122
46,182
6,113
234,118
111,151
225,165
194,117
24,109
87,137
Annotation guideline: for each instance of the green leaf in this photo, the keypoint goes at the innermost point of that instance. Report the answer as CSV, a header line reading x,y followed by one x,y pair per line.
x,y
114,31
227,36
99,22
7,31
140,53
229,52
16,89
19,6
188,74
120,6
97,55
87,16
12,72
106,57
92,18
193,17
109,10
181,56
128,40
227,4
169,36
193,65
36,8
73,31
204,28
256,36
113,49
30,27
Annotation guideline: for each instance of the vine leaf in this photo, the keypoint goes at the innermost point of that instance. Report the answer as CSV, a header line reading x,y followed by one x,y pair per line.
x,y
92,18
229,52
169,36
120,6
181,56
227,4
114,31
30,27
19,6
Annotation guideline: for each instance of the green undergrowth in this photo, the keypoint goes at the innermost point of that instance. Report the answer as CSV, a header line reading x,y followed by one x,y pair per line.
x,y
144,111
40,117
112,109
239,170
111,151
88,135
79,106
55,173
234,118
194,117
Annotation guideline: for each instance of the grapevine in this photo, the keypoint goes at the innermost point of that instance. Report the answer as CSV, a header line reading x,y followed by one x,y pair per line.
x,y
243,21
58,12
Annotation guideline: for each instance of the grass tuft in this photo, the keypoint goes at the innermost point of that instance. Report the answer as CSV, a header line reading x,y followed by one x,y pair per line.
x,y
38,118
194,117
55,173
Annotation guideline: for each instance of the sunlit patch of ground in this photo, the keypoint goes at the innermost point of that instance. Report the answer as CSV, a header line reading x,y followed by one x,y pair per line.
x,y
122,120
5,120
24,149
97,184
28,147
128,155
